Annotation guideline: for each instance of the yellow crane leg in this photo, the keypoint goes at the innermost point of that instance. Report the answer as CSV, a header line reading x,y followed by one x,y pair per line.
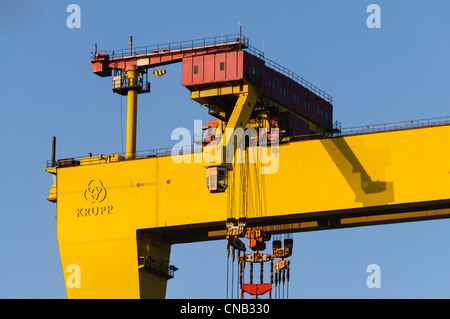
x,y
112,267
131,115
154,247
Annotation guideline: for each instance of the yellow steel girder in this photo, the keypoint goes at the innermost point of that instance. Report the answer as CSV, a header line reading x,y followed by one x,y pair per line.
x,y
109,215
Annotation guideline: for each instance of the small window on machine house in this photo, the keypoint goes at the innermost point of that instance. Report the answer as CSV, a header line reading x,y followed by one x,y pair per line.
x,y
222,66
195,69
307,104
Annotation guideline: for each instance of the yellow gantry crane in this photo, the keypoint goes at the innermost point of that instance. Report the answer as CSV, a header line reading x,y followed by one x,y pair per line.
x,y
118,215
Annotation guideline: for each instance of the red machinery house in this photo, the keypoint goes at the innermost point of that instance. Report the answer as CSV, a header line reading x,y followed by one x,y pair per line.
x,y
241,66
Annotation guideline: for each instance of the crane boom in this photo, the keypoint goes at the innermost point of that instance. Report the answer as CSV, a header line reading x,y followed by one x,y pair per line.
x,y
104,62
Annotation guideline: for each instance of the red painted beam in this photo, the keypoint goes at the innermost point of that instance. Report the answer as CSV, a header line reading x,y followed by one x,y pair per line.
x,y
103,64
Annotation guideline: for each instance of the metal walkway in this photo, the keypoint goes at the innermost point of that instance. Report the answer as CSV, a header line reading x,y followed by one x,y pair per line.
x,y
364,129
176,46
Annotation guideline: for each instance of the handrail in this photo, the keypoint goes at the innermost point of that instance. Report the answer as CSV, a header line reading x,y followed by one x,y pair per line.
x,y
385,127
378,128
157,152
281,69
364,129
176,46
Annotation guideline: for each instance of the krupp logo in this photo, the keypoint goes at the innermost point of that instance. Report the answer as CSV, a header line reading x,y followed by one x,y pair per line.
x,y
95,192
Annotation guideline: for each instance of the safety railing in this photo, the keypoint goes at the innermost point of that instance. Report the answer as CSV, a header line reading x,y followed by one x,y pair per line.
x,y
377,128
364,129
297,78
197,147
121,85
169,151
176,46
102,158
159,268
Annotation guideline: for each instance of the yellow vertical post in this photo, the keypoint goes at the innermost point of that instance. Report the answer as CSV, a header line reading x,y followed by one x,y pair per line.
x,y
131,115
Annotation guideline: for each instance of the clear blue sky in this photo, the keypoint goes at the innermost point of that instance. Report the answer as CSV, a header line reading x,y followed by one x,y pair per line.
x,y
399,72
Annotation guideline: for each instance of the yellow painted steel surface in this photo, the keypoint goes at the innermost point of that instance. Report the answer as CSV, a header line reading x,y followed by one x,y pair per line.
x,y
108,215
246,100
131,115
